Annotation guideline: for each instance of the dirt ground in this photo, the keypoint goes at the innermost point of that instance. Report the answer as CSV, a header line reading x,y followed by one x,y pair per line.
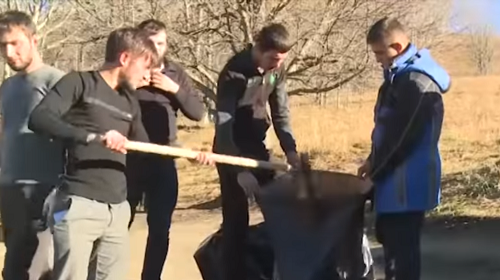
x,y
458,251
467,251
462,249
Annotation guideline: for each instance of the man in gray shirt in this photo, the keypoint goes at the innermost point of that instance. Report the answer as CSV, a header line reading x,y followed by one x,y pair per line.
x,y
30,164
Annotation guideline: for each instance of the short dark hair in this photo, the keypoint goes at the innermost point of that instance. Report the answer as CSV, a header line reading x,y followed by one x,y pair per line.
x,y
14,18
273,37
152,26
129,39
382,29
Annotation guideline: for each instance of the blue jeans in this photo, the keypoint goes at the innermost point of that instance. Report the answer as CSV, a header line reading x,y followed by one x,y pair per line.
x,y
156,178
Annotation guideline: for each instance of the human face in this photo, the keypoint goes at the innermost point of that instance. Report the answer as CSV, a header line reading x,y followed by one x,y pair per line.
x,y
385,54
271,60
17,48
160,41
135,68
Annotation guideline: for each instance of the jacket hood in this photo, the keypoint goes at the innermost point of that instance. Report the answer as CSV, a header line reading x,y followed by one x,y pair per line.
x,y
423,62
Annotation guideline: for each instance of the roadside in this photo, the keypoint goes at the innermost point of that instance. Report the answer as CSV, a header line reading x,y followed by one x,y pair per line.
x,y
462,250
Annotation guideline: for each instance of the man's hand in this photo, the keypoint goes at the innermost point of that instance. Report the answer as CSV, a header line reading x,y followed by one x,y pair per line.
x,y
249,184
293,159
363,173
161,81
146,80
364,169
366,185
203,158
115,141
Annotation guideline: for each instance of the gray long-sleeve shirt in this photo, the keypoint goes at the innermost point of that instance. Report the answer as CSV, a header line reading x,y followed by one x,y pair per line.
x,y
27,157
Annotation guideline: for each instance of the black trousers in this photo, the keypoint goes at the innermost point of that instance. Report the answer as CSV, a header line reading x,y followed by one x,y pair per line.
x,y
159,183
21,211
399,234
235,217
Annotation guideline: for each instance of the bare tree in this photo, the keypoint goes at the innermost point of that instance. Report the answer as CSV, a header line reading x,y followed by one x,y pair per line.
x,y
482,48
329,51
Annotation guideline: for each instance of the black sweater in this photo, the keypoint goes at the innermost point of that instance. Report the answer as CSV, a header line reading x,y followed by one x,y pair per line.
x,y
79,104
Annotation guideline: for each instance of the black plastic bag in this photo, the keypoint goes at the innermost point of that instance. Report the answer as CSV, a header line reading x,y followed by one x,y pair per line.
x,y
260,257
316,238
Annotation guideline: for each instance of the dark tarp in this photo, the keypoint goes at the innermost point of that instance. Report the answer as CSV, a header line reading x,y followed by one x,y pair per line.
x,y
260,256
309,233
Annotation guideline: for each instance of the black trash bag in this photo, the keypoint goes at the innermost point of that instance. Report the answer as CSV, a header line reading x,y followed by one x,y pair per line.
x,y
259,253
317,234
311,239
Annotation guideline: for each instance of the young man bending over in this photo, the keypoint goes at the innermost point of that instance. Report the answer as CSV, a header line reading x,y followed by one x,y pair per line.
x,y
250,80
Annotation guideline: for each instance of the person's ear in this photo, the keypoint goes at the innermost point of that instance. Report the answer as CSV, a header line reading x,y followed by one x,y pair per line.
x,y
35,39
397,46
124,58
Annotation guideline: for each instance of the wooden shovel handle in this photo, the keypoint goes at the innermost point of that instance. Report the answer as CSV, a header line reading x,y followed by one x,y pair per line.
x,y
191,154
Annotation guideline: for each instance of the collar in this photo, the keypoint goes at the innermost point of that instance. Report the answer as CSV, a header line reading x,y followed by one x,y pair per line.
x,y
166,66
401,62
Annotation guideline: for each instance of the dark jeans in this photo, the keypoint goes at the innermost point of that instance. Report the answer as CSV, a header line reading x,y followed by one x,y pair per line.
x,y
399,234
21,211
158,181
235,216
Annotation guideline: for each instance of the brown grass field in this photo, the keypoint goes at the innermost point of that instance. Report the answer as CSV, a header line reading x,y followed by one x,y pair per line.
x,y
337,138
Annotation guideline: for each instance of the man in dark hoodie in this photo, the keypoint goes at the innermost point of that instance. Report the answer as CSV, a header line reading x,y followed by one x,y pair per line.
x,y
404,164
249,80
169,90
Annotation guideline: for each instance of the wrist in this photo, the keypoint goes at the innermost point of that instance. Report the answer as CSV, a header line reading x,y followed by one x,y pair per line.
x,y
93,137
176,88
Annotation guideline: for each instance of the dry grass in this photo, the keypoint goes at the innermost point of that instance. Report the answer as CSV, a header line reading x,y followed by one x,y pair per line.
x,y
337,138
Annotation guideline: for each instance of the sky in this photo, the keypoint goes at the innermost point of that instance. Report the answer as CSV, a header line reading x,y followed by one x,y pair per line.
x,y
478,12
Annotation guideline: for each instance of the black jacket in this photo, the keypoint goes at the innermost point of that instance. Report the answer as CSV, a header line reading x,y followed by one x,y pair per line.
x,y
159,108
242,96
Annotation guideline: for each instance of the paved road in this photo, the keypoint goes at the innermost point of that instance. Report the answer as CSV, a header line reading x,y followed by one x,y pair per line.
x,y
461,253
471,253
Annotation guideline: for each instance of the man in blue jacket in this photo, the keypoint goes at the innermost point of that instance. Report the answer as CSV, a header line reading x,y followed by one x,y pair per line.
x,y
404,164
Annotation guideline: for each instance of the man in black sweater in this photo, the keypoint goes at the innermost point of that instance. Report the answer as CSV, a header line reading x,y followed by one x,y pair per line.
x,y
93,113
169,91
250,80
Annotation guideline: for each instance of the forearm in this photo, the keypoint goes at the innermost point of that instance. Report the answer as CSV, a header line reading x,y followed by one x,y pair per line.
x,y
224,142
402,132
285,136
191,105
280,114
398,147
229,89
44,121
138,133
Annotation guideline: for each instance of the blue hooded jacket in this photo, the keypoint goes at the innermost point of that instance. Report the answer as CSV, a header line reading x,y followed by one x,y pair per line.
x,y
405,158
